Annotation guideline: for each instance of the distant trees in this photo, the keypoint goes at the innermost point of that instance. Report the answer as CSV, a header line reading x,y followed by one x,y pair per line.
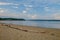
x,y
12,19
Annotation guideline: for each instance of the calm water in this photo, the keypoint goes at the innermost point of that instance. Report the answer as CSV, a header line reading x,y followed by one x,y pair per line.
x,y
46,24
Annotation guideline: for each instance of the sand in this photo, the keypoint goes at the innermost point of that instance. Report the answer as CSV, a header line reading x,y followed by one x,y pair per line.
x,y
19,32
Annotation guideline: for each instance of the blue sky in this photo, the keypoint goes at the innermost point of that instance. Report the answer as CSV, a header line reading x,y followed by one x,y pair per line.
x,y
30,9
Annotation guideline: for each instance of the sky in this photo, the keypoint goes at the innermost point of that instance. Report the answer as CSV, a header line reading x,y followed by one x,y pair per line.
x,y
30,9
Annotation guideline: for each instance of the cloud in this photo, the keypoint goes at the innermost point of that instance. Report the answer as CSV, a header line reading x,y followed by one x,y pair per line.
x,y
6,3
46,9
2,10
27,5
13,15
34,16
14,6
24,12
30,16
51,12
56,16
6,13
27,8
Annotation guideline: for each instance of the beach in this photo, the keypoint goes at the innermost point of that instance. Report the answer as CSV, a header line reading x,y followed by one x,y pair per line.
x,y
20,32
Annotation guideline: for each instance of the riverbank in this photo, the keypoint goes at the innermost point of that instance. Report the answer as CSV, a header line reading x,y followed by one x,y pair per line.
x,y
19,32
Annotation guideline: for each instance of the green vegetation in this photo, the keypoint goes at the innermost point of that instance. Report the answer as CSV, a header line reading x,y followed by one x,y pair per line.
x,y
12,19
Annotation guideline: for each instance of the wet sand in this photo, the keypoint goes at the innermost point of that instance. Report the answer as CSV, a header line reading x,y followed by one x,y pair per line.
x,y
19,32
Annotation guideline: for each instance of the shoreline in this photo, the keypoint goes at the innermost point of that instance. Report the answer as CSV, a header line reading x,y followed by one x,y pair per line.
x,y
28,26
20,32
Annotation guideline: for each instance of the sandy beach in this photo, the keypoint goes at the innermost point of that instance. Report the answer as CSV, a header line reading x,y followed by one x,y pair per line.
x,y
19,32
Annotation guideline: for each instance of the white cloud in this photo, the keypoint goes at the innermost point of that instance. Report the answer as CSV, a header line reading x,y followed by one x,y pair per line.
x,y
15,7
5,13
47,9
56,16
26,9
34,16
12,15
6,3
26,5
30,6
30,16
24,12
2,10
